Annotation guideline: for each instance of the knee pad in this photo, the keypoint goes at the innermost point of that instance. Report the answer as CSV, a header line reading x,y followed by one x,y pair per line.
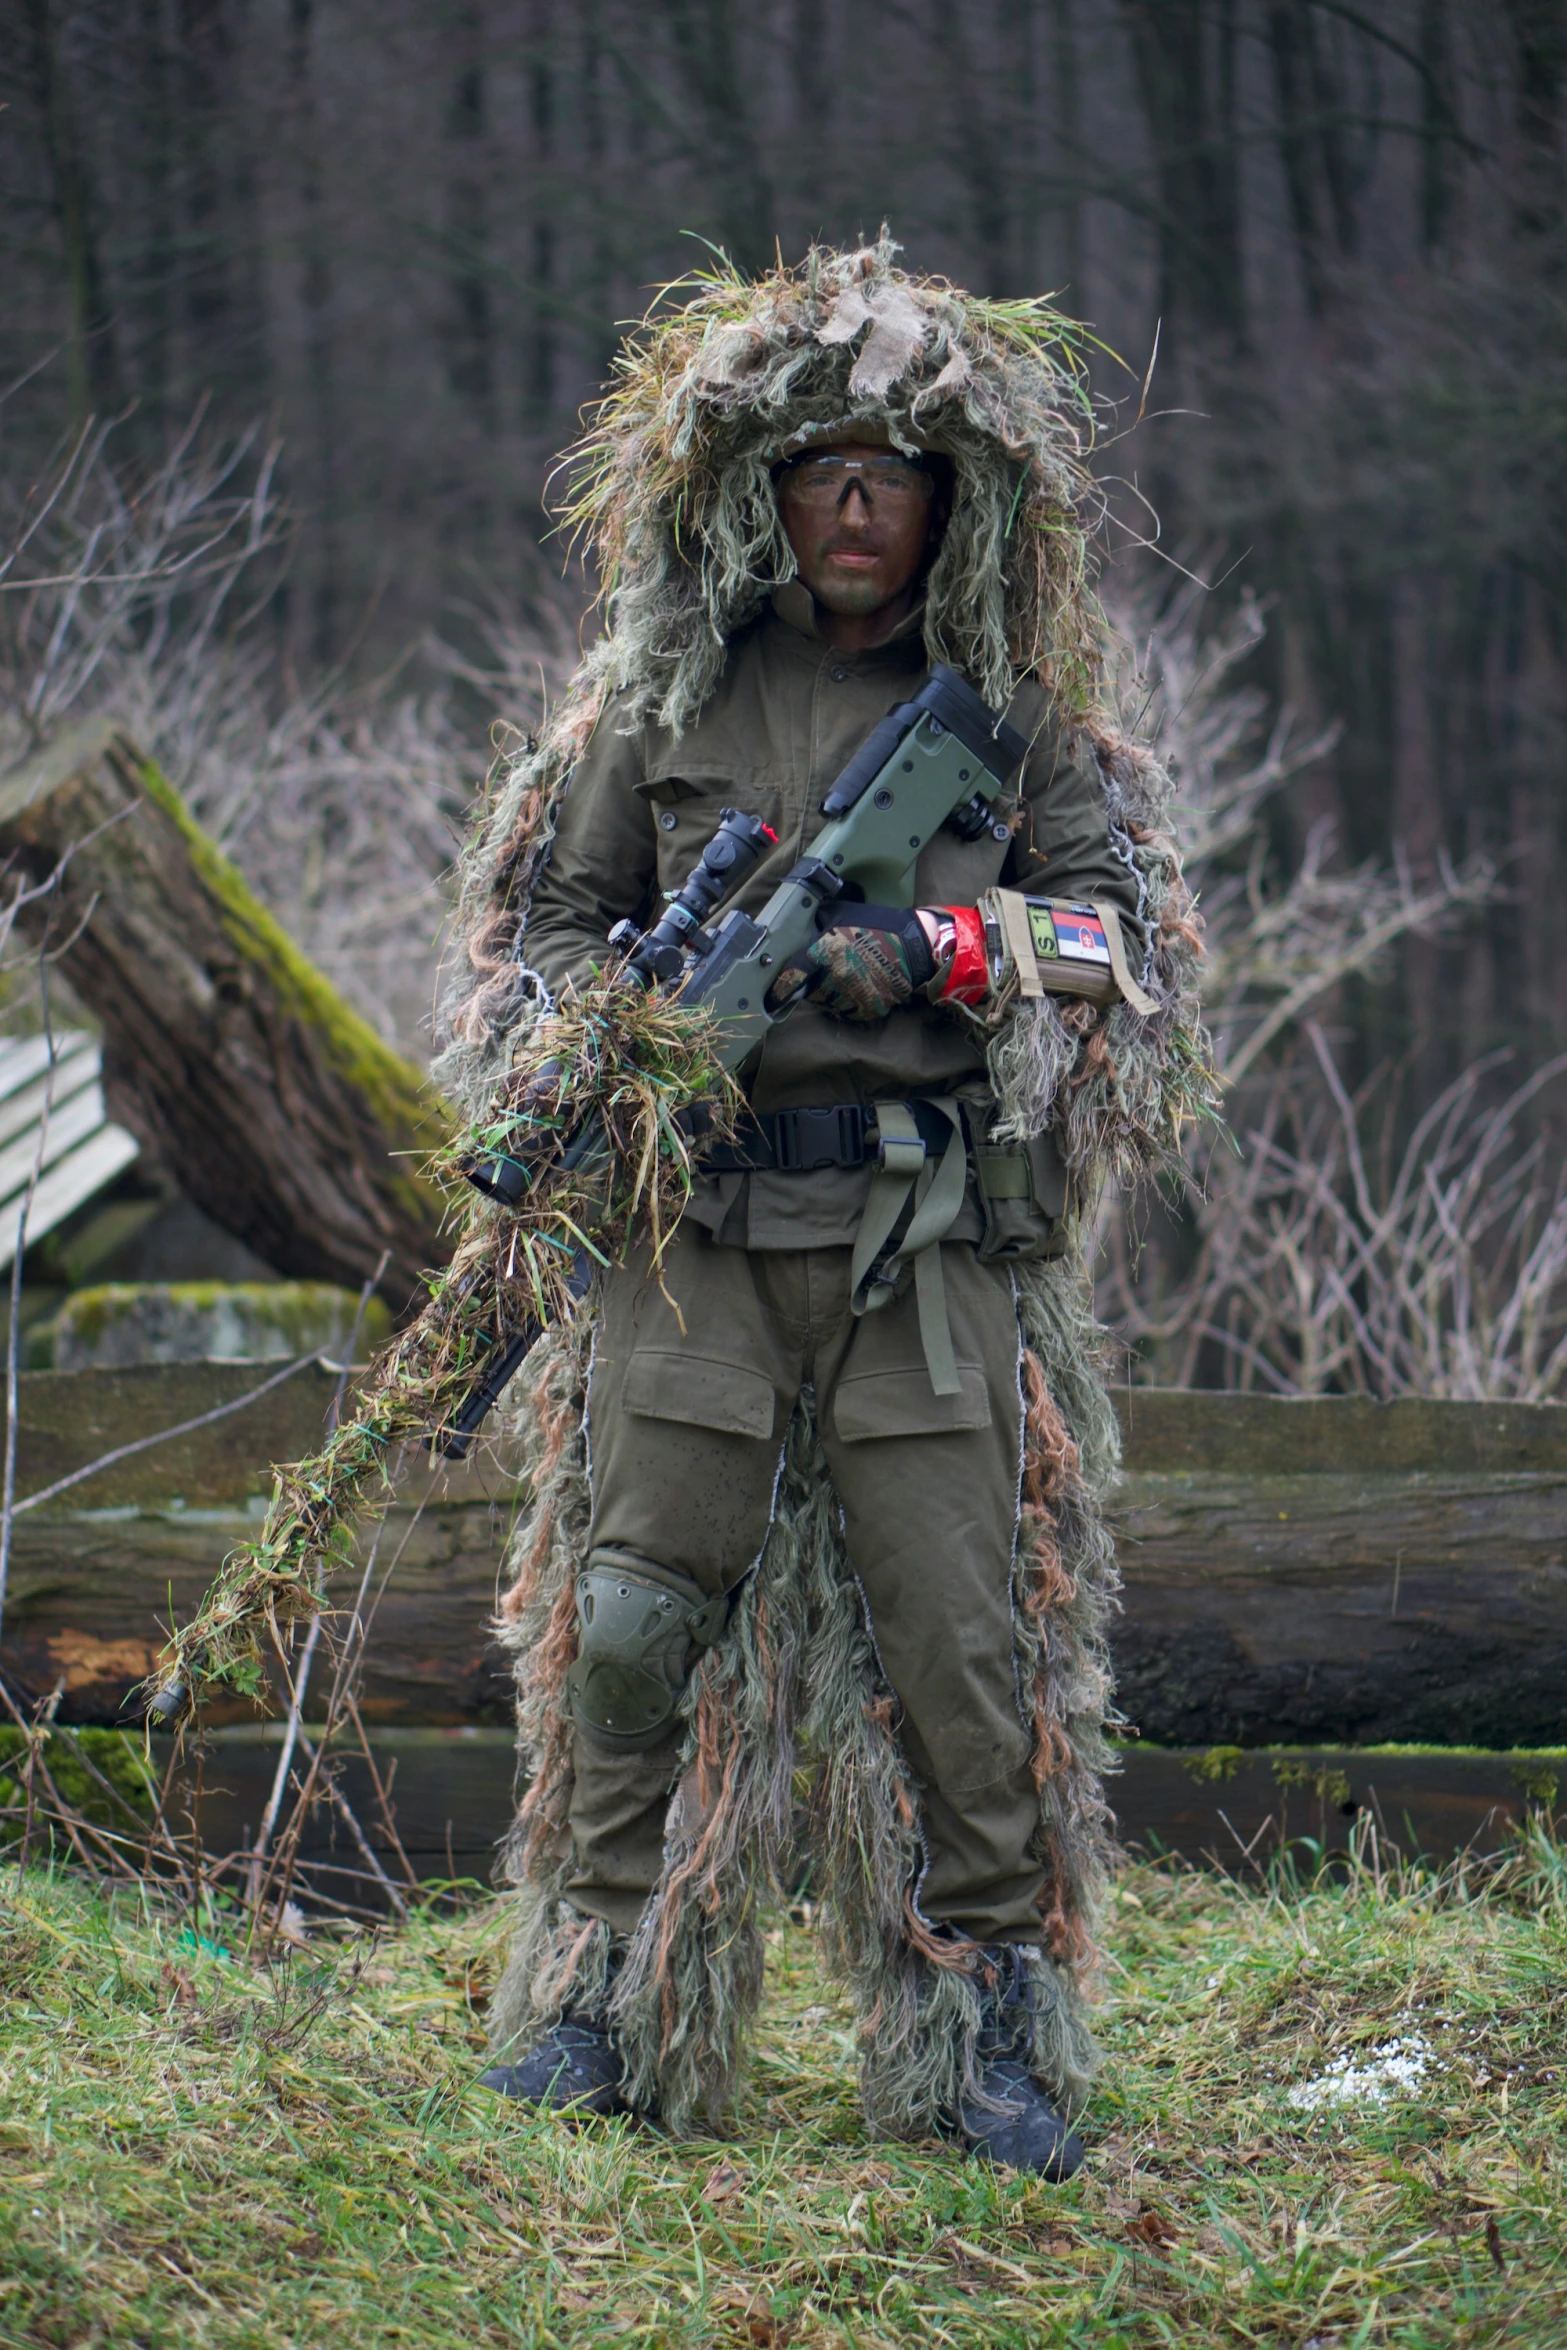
x,y
638,1632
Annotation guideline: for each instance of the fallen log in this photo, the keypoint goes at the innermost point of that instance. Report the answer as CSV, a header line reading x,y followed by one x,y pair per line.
x,y
100,1575
1331,1572
454,1797
1343,1571
273,1105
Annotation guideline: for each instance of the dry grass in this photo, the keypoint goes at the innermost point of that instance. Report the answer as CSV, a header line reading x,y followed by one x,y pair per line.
x,y
193,2150
1325,1245
1333,1257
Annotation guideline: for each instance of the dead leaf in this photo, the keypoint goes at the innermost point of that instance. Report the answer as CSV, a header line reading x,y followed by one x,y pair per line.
x,y
952,379
759,2324
900,329
722,2181
1493,2243
769,2333
1153,2229
473,1980
176,1980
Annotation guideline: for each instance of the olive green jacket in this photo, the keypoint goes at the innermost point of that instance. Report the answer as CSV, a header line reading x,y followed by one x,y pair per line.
x,y
786,717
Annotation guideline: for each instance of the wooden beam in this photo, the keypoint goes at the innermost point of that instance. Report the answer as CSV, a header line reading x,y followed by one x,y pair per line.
x,y
275,1107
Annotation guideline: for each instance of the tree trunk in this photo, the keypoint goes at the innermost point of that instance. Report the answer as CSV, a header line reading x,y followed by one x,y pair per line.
x,y
272,1104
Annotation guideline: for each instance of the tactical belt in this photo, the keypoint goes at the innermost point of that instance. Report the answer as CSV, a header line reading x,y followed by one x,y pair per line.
x,y
844,1134
921,1152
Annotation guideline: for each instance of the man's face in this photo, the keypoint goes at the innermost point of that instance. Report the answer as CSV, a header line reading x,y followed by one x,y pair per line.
x,y
860,520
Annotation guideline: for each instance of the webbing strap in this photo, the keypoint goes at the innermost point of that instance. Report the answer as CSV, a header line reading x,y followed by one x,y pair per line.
x,y
1121,968
937,1196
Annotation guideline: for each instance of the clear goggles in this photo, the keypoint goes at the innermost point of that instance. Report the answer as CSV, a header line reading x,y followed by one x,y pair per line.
x,y
822,479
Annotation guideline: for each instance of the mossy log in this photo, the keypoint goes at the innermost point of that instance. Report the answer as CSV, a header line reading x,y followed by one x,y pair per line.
x,y
275,1107
454,1792
1340,1572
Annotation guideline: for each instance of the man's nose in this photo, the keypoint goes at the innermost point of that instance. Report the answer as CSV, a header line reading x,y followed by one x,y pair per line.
x,y
861,513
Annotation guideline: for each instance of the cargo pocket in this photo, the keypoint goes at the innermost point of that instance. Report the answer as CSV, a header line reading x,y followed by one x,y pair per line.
x,y
903,1403
700,1393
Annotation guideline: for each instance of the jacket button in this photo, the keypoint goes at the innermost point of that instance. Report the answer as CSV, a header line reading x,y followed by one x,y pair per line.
x,y
839,675
668,820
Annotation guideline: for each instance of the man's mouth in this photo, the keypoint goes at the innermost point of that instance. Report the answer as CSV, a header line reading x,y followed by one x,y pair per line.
x,y
860,558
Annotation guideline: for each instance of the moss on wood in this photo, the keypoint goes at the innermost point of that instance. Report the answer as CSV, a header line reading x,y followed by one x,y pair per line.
x,y
396,1092
125,1322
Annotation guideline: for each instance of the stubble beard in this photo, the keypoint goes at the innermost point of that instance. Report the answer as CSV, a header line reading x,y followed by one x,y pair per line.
x,y
854,597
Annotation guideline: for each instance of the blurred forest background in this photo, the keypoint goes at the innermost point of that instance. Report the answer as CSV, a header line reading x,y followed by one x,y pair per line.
x,y
301,297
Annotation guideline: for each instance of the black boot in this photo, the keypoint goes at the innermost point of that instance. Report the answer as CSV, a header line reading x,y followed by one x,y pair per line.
x,y
574,2068
1011,2119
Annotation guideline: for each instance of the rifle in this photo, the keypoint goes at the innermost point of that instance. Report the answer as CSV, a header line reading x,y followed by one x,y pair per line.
x,y
936,760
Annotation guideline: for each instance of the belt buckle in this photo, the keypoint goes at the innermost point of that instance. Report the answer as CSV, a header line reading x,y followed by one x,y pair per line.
x,y
808,1138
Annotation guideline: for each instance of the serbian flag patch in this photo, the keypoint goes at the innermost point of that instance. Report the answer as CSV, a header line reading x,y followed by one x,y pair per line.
x,y
1071,933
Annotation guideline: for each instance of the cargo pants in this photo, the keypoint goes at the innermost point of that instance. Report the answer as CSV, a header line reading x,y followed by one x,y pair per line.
x,y
686,1430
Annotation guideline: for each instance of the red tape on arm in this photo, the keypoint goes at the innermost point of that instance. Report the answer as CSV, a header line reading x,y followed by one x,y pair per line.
x,y
968,977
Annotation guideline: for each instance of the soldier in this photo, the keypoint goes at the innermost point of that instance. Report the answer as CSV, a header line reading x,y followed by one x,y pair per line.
x,y
781,1513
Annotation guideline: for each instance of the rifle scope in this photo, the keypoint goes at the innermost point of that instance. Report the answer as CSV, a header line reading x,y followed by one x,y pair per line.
x,y
658,955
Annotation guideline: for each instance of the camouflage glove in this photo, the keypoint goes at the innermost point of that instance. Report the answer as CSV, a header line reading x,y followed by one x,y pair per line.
x,y
857,974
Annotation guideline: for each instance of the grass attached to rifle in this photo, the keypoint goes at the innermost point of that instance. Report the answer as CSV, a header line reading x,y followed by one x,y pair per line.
x,y
628,1059
197,2150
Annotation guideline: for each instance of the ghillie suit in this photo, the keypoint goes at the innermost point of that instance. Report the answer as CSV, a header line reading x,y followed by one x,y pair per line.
x,y
673,490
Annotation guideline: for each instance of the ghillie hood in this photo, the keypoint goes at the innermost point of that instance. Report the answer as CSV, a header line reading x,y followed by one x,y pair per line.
x,y
672,489
670,494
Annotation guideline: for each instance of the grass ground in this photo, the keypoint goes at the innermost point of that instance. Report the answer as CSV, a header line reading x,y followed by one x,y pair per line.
x,y
195,2150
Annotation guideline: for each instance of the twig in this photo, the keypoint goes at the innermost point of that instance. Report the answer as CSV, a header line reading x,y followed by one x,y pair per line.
x,y
351,1822
70,1819
335,1409
383,1793
291,1732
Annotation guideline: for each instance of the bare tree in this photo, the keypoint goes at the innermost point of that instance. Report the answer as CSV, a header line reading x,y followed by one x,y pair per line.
x,y
142,596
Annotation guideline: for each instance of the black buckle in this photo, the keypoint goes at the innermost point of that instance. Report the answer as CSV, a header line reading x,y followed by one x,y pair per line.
x,y
809,1138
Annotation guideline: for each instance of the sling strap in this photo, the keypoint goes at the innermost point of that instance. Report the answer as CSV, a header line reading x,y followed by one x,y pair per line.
x,y
913,1203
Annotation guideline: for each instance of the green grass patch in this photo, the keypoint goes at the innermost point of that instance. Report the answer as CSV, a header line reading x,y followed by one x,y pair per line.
x,y
198,2149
